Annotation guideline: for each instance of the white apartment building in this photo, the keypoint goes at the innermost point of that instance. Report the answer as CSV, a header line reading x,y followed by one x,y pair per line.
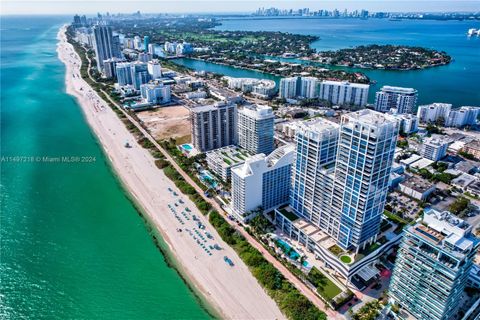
x,y
408,122
155,92
288,88
344,93
434,148
401,99
256,129
154,69
309,87
430,113
261,88
262,182
465,116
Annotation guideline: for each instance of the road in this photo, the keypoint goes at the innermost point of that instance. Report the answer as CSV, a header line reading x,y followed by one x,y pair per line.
x,y
302,287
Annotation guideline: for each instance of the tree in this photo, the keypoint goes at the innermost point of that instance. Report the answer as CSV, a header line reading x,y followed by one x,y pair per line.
x,y
259,224
432,129
403,144
459,205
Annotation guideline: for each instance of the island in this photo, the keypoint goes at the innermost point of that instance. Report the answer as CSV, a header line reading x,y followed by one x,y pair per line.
x,y
262,51
384,57
200,32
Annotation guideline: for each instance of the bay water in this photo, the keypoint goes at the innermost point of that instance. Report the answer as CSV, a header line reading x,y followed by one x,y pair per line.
x,y
72,244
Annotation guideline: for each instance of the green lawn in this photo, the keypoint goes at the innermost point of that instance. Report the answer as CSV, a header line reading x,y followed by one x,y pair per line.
x,y
336,250
325,287
346,259
394,217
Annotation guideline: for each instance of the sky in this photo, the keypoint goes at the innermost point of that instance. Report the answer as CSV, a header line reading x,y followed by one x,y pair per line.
x,y
191,6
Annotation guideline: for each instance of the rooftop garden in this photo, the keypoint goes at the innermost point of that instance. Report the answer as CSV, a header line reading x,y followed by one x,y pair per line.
x,y
336,250
289,215
346,259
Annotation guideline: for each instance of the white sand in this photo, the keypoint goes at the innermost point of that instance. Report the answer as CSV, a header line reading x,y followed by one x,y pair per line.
x,y
233,291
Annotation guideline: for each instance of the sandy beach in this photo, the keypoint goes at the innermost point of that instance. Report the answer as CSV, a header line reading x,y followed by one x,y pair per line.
x,y
232,291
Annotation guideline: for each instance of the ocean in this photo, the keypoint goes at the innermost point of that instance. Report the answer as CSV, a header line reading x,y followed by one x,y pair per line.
x,y
456,83
72,244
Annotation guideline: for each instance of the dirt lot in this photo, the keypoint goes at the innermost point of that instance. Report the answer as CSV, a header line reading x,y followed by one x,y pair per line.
x,y
168,122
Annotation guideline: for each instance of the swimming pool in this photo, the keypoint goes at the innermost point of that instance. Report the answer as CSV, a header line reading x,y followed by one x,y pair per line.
x,y
287,249
186,147
306,264
208,179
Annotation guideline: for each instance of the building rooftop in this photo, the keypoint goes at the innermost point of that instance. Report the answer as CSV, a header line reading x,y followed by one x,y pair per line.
x,y
422,163
346,83
257,111
475,144
317,126
416,183
436,105
370,117
256,163
463,180
211,107
231,155
444,226
436,141
279,153
413,158
399,90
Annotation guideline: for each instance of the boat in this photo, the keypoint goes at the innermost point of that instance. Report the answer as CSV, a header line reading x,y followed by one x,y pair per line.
x,y
473,31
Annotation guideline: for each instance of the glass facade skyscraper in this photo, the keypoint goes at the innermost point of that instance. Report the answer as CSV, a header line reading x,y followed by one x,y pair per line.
x,y
432,266
341,174
364,159
106,45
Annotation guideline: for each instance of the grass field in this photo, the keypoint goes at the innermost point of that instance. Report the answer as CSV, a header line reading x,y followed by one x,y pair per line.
x,y
325,287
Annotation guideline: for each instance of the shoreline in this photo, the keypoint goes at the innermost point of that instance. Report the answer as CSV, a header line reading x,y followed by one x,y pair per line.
x,y
233,292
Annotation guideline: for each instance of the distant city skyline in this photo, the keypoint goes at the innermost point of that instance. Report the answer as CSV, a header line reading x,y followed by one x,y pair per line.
x,y
225,6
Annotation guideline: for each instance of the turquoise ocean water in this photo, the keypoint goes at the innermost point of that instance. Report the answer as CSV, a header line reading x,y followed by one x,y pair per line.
x,y
456,83
72,244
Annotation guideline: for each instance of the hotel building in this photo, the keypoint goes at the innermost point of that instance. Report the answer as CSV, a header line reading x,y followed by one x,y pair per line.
x,y
155,92
262,182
